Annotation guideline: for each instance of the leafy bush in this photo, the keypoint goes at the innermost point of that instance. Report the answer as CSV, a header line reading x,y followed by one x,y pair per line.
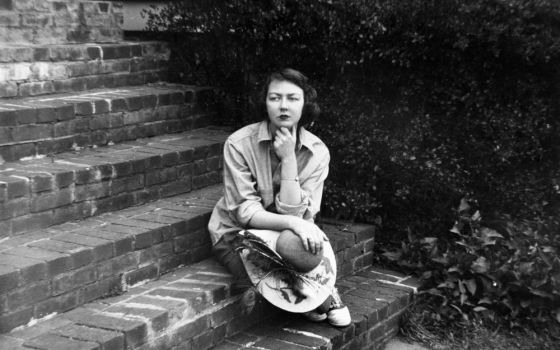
x,y
509,273
424,102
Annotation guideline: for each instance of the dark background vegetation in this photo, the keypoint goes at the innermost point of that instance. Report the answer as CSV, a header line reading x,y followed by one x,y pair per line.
x,y
442,118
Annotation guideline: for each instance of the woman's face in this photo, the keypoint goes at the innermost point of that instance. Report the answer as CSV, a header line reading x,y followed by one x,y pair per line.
x,y
284,104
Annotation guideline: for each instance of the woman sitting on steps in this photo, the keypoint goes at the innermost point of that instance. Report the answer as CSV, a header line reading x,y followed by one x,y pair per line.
x,y
274,173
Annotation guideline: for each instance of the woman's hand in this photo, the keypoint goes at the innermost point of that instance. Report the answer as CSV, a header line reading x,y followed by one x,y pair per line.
x,y
311,235
285,143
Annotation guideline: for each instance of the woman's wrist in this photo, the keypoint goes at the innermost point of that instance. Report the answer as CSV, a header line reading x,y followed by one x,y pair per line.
x,y
291,222
289,159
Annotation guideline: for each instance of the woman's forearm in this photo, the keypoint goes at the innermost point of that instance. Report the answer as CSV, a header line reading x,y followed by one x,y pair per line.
x,y
272,221
290,190
311,236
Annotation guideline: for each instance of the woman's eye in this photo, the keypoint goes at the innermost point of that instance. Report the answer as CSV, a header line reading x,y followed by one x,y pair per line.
x,y
294,99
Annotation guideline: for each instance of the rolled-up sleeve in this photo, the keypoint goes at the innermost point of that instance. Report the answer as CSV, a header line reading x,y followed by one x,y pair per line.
x,y
240,188
311,193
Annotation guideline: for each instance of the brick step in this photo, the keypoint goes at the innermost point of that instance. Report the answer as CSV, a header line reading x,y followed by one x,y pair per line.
x,y
191,307
38,193
376,299
56,269
31,70
38,126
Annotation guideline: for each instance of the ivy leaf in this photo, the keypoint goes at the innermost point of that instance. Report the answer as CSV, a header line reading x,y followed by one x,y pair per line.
x,y
476,216
428,240
464,205
480,265
488,233
446,284
456,228
479,309
526,268
471,286
440,260
485,300
541,293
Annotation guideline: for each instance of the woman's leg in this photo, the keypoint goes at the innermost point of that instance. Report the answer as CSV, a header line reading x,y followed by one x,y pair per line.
x,y
225,253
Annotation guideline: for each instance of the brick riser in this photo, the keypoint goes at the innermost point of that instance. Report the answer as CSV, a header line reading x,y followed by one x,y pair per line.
x,y
190,307
71,264
39,193
39,70
52,271
40,126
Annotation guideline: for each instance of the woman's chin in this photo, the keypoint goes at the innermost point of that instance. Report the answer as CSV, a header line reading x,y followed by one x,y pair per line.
x,y
283,124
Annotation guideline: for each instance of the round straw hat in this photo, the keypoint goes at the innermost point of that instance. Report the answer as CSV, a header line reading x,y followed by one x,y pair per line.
x,y
315,284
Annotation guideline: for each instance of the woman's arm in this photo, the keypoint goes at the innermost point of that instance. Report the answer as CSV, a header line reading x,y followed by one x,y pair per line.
x,y
301,198
311,236
284,146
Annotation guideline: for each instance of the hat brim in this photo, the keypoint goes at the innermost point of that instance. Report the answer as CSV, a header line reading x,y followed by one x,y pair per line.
x,y
316,284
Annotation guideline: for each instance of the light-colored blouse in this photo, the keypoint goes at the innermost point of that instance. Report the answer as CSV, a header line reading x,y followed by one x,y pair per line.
x,y
252,179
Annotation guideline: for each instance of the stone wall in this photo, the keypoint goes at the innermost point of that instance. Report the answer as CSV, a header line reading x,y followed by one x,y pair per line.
x,y
60,21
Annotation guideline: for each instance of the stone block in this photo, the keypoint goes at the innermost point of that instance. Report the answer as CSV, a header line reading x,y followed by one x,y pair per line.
x,y
9,278
58,342
108,340
74,279
16,186
31,132
117,265
36,88
6,5
145,273
15,319
8,89
135,332
29,294
51,200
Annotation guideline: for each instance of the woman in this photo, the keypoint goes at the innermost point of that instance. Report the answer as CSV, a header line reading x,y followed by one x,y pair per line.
x,y
273,179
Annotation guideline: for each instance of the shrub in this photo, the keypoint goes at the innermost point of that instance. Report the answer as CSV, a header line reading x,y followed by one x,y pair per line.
x,y
509,273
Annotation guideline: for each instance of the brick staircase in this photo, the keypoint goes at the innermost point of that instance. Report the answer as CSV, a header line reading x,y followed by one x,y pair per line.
x,y
108,176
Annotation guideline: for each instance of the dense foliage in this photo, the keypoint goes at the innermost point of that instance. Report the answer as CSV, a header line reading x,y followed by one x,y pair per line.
x,y
424,102
508,273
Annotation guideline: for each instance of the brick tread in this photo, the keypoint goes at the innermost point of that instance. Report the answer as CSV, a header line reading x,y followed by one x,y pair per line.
x,y
37,193
193,307
35,127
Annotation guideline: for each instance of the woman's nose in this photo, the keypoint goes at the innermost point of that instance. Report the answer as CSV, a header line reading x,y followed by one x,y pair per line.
x,y
283,104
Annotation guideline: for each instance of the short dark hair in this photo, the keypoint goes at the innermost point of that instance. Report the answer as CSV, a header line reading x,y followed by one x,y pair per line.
x,y
311,109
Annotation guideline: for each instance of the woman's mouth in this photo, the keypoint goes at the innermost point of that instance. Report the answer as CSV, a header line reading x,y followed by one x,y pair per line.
x,y
283,117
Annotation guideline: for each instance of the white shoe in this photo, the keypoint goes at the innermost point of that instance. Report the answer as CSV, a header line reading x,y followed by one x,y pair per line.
x,y
338,314
314,316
